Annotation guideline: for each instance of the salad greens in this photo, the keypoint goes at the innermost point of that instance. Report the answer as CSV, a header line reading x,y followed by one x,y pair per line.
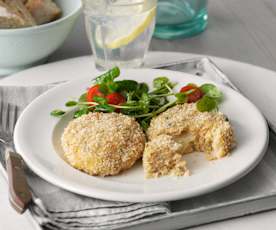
x,y
212,97
139,101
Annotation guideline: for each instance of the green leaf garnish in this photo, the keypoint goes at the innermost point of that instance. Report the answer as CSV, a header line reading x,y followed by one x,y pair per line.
x,y
71,103
126,85
83,97
142,88
57,113
162,85
81,112
206,104
144,103
106,81
109,76
103,89
140,102
112,87
100,100
212,91
181,98
160,82
104,108
145,123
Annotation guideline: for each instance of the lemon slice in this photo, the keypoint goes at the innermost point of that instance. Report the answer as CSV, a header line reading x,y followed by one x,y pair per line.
x,y
123,30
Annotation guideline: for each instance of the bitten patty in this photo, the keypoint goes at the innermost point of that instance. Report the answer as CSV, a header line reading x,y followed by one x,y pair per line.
x,y
209,132
162,156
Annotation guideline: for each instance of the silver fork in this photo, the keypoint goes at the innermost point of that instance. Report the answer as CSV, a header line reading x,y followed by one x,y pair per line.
x,y
19,193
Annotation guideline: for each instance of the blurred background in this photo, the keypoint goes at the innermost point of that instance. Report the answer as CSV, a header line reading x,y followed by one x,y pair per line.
x,y
241,30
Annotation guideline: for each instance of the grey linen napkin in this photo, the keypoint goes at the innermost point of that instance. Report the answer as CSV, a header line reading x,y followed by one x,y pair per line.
x,y
55,208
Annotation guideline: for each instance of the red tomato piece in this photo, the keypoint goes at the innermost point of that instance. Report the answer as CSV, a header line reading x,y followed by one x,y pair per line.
x,y
193,96
188,88
115,99
92,92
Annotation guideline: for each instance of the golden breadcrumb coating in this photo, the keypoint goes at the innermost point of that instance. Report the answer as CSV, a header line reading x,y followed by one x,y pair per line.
x,y
162,156
208,132
103,143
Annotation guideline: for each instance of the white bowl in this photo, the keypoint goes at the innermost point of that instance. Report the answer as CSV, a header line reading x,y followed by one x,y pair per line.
x,y
24,47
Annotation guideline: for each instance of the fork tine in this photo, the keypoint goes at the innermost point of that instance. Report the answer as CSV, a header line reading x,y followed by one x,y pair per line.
x,y
12,118
8,118
1,113
15,117
4,116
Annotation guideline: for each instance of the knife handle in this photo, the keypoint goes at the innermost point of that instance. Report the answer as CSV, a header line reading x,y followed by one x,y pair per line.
x,y
19,191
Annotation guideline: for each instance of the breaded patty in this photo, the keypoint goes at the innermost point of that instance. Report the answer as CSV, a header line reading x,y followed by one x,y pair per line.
x,y
208,132
162,156
103,143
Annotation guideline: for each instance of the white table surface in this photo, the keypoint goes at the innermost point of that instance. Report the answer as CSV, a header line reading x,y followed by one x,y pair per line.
x,y
241,30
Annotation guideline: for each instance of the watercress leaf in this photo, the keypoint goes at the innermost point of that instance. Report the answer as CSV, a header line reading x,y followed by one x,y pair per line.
x,y
216,94
100,100
205,88
144,102
112,87
206,104
126,111
130,103
129,96
145,98
127,85
160,82
81,112
103,88
57,113
142,88
163,101
181,98
108,76
212,91
71,103
83,97
104,108
156,100
144,124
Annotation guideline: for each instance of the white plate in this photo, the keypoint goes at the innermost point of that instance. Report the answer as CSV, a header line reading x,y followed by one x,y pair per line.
x,y
36,130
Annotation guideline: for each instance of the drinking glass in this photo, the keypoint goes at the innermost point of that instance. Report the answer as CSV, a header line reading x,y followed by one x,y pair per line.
x,y
119,31
180,18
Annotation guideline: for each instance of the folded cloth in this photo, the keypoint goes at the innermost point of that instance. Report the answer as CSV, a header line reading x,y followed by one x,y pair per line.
x,y
55,208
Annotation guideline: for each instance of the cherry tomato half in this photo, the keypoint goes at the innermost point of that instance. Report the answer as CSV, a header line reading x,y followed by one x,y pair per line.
x,y
115,99
92,92
193,96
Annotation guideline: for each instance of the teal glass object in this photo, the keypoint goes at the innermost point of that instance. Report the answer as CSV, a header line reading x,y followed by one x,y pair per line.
x,y
180,18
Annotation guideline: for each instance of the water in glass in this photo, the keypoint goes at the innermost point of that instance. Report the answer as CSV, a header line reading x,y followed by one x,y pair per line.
x,y
119,31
